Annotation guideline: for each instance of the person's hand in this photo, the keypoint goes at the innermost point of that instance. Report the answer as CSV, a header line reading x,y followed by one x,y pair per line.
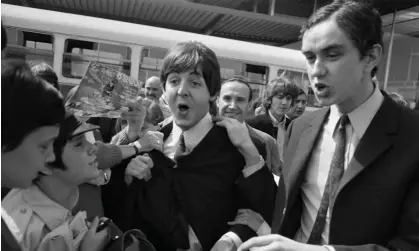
x,y
274,242
103,179
151,140
224,244
140,168
94,241
240,138
237,131
135,118
249,218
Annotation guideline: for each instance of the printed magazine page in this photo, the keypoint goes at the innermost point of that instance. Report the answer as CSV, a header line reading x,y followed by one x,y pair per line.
x,y
103,92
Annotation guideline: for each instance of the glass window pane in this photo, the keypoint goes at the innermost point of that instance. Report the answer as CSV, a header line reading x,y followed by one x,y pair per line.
x,y
78,54
151,62
30,46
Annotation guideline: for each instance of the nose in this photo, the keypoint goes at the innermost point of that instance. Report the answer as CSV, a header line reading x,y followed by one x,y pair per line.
x,y
232,104
284,101
92,149
318,69
183,88
50,156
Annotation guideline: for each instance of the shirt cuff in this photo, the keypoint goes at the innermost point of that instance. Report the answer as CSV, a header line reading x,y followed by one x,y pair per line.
x,y
247,171
330,248
234,237
264,229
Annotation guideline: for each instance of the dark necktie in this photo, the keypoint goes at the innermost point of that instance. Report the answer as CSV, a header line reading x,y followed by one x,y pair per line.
x,y
337,167
180,147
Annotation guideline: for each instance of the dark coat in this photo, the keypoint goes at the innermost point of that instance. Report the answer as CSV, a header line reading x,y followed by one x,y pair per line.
x,y
377,203
205,188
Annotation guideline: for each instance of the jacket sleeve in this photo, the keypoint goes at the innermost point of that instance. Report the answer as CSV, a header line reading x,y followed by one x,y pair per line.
x,y
108,155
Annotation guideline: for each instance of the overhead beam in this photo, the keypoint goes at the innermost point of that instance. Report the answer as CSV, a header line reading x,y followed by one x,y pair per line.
x,y
208,29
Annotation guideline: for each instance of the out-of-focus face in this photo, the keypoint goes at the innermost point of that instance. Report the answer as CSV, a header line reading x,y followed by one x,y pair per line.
x,y
21,166
280,105
234,100
153,89
299,107
79,158
188,97
334,65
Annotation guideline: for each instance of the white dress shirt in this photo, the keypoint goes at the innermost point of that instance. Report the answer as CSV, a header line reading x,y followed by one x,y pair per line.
x,y
321,158
192,138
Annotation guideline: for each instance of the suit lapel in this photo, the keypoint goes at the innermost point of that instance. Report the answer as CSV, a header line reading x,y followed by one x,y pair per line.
x,y
376,140
166,130
296,173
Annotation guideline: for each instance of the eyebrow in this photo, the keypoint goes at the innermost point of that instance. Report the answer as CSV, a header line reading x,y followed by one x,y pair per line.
x,y
195,72
327,48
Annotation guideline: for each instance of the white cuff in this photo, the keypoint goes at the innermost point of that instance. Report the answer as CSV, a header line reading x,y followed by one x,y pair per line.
x,y
247,171
137,144
236,239
330,248
264,229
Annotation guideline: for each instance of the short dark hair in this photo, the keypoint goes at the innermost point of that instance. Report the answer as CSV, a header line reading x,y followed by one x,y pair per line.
x,y
193,55
28,103
45,71
282,84
301,92
359,20
241,80
256,103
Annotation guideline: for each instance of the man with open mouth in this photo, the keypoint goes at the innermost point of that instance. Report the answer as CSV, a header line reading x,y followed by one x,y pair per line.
x,y
206,171
351,168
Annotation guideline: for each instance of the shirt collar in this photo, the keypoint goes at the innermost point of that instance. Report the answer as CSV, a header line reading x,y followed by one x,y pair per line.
x,y
361,116
51,213
195,134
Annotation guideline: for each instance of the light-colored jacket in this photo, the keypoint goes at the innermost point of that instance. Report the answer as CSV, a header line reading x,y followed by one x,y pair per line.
x,y
44,225
273,158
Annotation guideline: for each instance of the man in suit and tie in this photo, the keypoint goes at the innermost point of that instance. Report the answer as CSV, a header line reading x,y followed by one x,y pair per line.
x,y
352,168
184,196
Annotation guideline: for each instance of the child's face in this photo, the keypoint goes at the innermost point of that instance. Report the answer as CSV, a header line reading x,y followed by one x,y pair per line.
x,y
79,157
188,97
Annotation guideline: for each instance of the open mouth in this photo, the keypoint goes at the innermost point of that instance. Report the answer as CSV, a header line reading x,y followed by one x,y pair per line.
x,y
183,107
320,87
93,163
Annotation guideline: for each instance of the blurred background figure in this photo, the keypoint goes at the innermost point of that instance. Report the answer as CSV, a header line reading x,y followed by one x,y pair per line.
x,y
299,106
154,92
45,71
398,98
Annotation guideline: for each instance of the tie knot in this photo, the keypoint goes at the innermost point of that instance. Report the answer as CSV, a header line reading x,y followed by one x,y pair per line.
x,y
344,120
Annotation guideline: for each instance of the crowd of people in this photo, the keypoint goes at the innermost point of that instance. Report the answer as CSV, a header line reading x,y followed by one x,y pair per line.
x,y
206,166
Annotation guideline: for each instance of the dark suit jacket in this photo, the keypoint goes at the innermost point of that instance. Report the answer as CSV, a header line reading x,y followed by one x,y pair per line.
x,y
377,203
206,189
263,122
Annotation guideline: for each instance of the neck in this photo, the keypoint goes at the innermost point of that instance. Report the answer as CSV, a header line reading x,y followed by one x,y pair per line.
x,y
360,95
58,190
278,118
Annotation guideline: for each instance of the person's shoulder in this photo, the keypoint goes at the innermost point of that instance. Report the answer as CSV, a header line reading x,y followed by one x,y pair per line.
x,y
309,116
28,227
